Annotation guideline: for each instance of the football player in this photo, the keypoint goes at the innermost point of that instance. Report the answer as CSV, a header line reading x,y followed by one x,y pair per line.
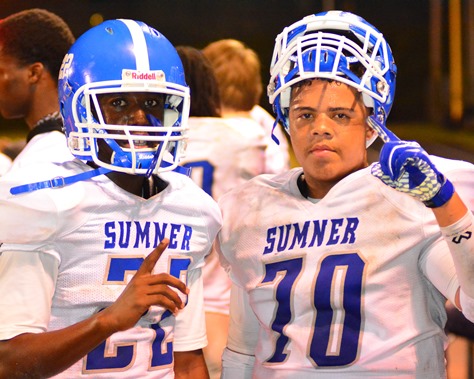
x,y
100,266
341,269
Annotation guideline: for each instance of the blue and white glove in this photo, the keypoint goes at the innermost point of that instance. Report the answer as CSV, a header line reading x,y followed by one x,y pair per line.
x,y
406,167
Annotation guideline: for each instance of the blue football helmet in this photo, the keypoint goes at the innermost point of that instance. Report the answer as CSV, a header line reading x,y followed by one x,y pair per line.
x,y
121,56
327,45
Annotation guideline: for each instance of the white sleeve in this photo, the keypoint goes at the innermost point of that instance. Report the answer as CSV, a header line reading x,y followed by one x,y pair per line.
x,y
238,357
236,365
450,265
190,326
216,284
27,283
244,325
438,266
47,212
460,239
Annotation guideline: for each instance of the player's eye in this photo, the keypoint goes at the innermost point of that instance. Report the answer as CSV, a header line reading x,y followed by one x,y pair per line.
x,y
341,116
151,103
118,103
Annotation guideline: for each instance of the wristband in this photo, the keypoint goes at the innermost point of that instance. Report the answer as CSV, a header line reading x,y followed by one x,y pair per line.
x,y
445,193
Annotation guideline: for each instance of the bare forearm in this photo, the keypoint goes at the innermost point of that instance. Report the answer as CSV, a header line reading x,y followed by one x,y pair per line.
x,y
46,354
190,365
450,212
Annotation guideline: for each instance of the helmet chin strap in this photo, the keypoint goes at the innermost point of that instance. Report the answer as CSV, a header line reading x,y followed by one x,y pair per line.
x,y
274,137
122,158
119,158
59,181
153,162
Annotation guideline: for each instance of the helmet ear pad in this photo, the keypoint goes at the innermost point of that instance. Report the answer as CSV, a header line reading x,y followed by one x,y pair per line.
x,y
171,116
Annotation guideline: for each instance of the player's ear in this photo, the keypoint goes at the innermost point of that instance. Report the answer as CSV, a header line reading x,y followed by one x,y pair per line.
x,y
35,71
369,133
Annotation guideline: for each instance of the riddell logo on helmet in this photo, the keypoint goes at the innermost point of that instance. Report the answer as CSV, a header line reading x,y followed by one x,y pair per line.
x,y
141,75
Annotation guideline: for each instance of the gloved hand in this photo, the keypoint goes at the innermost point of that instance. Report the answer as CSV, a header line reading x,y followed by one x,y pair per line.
x,y
406,167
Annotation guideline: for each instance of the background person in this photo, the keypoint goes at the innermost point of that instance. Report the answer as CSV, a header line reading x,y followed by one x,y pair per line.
x,y
237,69
33,43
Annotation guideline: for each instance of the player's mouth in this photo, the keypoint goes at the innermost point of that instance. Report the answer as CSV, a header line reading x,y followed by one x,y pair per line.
x,y
137,142
140,144
319,150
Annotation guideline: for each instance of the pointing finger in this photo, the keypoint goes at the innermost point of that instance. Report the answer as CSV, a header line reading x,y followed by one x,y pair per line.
x,y
150,261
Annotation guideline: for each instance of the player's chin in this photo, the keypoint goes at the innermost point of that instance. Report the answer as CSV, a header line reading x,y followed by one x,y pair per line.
x,y
325,170
326,161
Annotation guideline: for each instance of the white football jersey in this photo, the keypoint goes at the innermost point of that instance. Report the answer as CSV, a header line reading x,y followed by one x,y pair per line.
x,y
277,155
350,286
223,153
45,147
98,235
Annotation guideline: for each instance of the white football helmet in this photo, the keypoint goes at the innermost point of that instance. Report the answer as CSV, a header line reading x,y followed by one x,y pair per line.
x,y
121,56
326,45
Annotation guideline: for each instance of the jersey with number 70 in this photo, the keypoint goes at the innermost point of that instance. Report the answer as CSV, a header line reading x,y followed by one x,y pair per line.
x,y
348,286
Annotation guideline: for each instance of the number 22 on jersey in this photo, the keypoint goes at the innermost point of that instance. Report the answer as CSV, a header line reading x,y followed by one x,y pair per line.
x,y
100,361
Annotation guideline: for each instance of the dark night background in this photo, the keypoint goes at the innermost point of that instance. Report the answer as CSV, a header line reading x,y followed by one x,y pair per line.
x,y
257,22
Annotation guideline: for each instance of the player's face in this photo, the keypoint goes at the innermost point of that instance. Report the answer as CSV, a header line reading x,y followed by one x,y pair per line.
x,y
131,109
328,132
15,88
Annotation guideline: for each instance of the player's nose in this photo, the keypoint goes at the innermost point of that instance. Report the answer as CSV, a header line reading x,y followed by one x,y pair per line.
x,y
321,125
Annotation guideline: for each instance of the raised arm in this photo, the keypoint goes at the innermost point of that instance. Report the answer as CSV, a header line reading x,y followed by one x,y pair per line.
x,y
406,167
